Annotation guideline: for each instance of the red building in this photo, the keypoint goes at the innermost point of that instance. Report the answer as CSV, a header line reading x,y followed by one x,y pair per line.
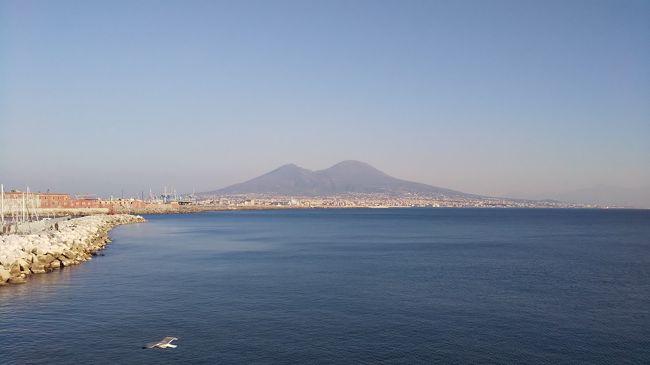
x,y
52,200
14,200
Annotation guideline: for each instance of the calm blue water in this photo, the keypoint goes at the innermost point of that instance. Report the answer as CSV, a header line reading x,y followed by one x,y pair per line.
x,y
348,286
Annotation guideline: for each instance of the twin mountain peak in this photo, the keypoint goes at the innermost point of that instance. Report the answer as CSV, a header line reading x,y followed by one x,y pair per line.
x,y
343,178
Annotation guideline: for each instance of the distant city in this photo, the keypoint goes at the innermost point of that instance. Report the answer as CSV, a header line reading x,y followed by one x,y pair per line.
x,y
377,200
349,184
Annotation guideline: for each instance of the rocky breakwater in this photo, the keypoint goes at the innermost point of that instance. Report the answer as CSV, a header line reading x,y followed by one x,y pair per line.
x,y
70,243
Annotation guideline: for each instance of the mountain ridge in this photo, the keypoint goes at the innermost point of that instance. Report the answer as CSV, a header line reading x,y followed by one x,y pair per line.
x,y
349,176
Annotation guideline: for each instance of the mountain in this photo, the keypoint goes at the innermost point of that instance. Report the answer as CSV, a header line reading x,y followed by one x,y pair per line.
x,y
607,195
344,177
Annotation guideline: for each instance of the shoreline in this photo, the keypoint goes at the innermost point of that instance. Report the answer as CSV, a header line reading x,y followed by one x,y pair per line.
x,y
202,209
75,241
192,210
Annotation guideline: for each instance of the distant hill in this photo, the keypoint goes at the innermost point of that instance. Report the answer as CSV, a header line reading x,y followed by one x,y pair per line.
x,y
607,195
344,177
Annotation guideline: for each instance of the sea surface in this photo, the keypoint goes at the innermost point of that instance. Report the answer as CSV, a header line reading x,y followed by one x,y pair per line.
x,y
362,286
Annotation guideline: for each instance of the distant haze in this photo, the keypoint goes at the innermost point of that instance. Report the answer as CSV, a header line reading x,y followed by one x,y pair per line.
x,y
605,195
531,99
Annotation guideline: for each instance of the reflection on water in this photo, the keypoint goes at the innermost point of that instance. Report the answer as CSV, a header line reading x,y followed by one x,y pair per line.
x,y
39,285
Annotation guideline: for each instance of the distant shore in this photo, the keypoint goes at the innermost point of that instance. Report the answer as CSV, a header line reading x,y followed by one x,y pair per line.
x,y
186,209
67,242
154,209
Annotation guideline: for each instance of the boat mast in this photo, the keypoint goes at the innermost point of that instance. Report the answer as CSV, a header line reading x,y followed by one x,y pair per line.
x,y
28,214
23,208
2,204
32,202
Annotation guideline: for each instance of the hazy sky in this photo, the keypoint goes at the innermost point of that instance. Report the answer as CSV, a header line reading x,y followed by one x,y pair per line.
x,y
491,97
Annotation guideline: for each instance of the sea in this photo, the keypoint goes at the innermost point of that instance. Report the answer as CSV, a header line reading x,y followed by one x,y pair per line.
x,y
347,286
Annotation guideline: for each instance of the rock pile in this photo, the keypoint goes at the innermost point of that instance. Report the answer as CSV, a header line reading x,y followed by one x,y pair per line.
x,y
75,241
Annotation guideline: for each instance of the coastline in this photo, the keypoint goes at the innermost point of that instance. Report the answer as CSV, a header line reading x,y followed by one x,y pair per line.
x,y
75,241
57,213
201,209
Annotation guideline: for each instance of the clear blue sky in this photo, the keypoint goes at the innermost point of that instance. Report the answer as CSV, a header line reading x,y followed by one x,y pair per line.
x,y
492,97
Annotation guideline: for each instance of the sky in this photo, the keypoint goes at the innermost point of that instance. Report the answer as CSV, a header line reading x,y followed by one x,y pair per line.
x,y
507,98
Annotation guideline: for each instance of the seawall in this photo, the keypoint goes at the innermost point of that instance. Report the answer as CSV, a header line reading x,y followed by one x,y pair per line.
x,y
75,241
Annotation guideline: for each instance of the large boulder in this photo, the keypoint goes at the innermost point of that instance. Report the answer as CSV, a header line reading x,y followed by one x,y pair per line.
x,y
66,261
17,279
4,275
38,268
46,259
55,265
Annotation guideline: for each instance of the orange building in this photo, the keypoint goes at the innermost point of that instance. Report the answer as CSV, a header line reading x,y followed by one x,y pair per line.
x,y
52,200
14,200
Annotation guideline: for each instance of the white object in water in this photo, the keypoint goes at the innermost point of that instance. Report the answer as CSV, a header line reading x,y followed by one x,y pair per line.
x,y
162,344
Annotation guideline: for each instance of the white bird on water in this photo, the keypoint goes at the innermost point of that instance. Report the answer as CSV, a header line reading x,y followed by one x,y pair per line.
x,y
162,344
